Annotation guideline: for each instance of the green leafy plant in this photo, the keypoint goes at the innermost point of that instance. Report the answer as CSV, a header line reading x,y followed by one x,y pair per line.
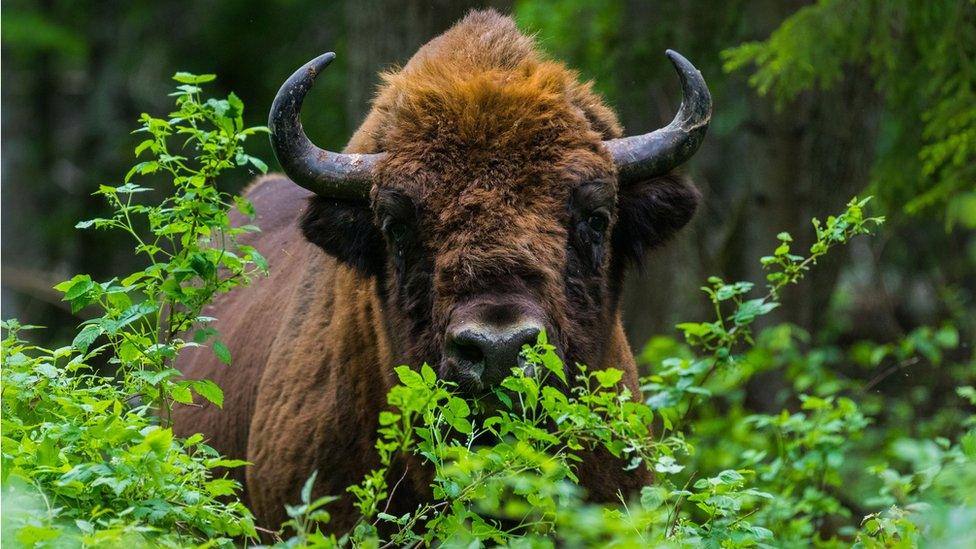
x,y
504,466
91,470
97,449
187,239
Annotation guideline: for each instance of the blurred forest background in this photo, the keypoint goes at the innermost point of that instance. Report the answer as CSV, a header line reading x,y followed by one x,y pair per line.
x,y
814,103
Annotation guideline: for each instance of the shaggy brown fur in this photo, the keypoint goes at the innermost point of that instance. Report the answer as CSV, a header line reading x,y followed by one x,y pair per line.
x,y
495,169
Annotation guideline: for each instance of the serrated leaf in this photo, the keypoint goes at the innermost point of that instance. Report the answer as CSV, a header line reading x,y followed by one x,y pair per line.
x,y
968,444
77,287
181,394
236,104
409,377
730,476
245,206
86,337
221,487
221,352
226,463
749,310
609,377
210,391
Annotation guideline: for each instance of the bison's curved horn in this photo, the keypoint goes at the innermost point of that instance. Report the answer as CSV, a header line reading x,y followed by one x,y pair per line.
x,y
641,157
323,172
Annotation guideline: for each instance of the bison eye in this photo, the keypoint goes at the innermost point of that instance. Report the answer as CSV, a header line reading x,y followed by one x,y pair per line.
x,y
395,230
598,221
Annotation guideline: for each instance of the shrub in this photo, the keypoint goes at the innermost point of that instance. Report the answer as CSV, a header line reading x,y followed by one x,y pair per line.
x,y
504,464
89,458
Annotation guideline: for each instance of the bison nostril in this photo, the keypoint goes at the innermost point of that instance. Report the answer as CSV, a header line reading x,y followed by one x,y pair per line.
x,y
468,352
528,336
489,352
467,347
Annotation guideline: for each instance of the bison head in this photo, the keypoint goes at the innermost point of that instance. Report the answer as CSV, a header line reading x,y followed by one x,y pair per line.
x,y
490,195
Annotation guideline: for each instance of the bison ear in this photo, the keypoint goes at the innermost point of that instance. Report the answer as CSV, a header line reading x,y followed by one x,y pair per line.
x,y
345,230
651,212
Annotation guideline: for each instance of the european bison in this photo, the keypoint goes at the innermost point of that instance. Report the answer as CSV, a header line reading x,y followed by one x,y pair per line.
x,y
487,196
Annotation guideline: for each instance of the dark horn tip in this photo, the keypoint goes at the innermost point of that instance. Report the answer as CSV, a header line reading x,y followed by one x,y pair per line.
x,y
692,83
322,172
287,103
656,153
675,57
681,64
320,62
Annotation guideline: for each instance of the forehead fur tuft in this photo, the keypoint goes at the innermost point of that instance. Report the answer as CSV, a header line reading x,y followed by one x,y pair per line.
x,y
481,82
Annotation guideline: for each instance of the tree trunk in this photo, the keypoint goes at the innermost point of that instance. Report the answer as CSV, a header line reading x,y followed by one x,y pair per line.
x,y
386,33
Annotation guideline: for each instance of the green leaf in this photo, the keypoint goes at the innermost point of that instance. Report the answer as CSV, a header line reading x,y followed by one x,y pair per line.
x,y
190,78
428,374
204,334
258,163
968,444
236,106
86,337
409,377
609,377
159,440
210,391
695,328
181,394
143,146
652,497
552,363
459,407
132,314
226,463
221,487
78,286
667,464
730,476
221,352
307,488
259,260
504,398
142,168
244,206
31,535
87,223
461,425
749,310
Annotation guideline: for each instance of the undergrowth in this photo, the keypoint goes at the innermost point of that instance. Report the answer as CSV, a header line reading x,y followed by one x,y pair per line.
x,y
89,458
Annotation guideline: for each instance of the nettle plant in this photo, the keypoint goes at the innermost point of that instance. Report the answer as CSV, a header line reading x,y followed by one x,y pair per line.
x,y
187,239
504,464
90,458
